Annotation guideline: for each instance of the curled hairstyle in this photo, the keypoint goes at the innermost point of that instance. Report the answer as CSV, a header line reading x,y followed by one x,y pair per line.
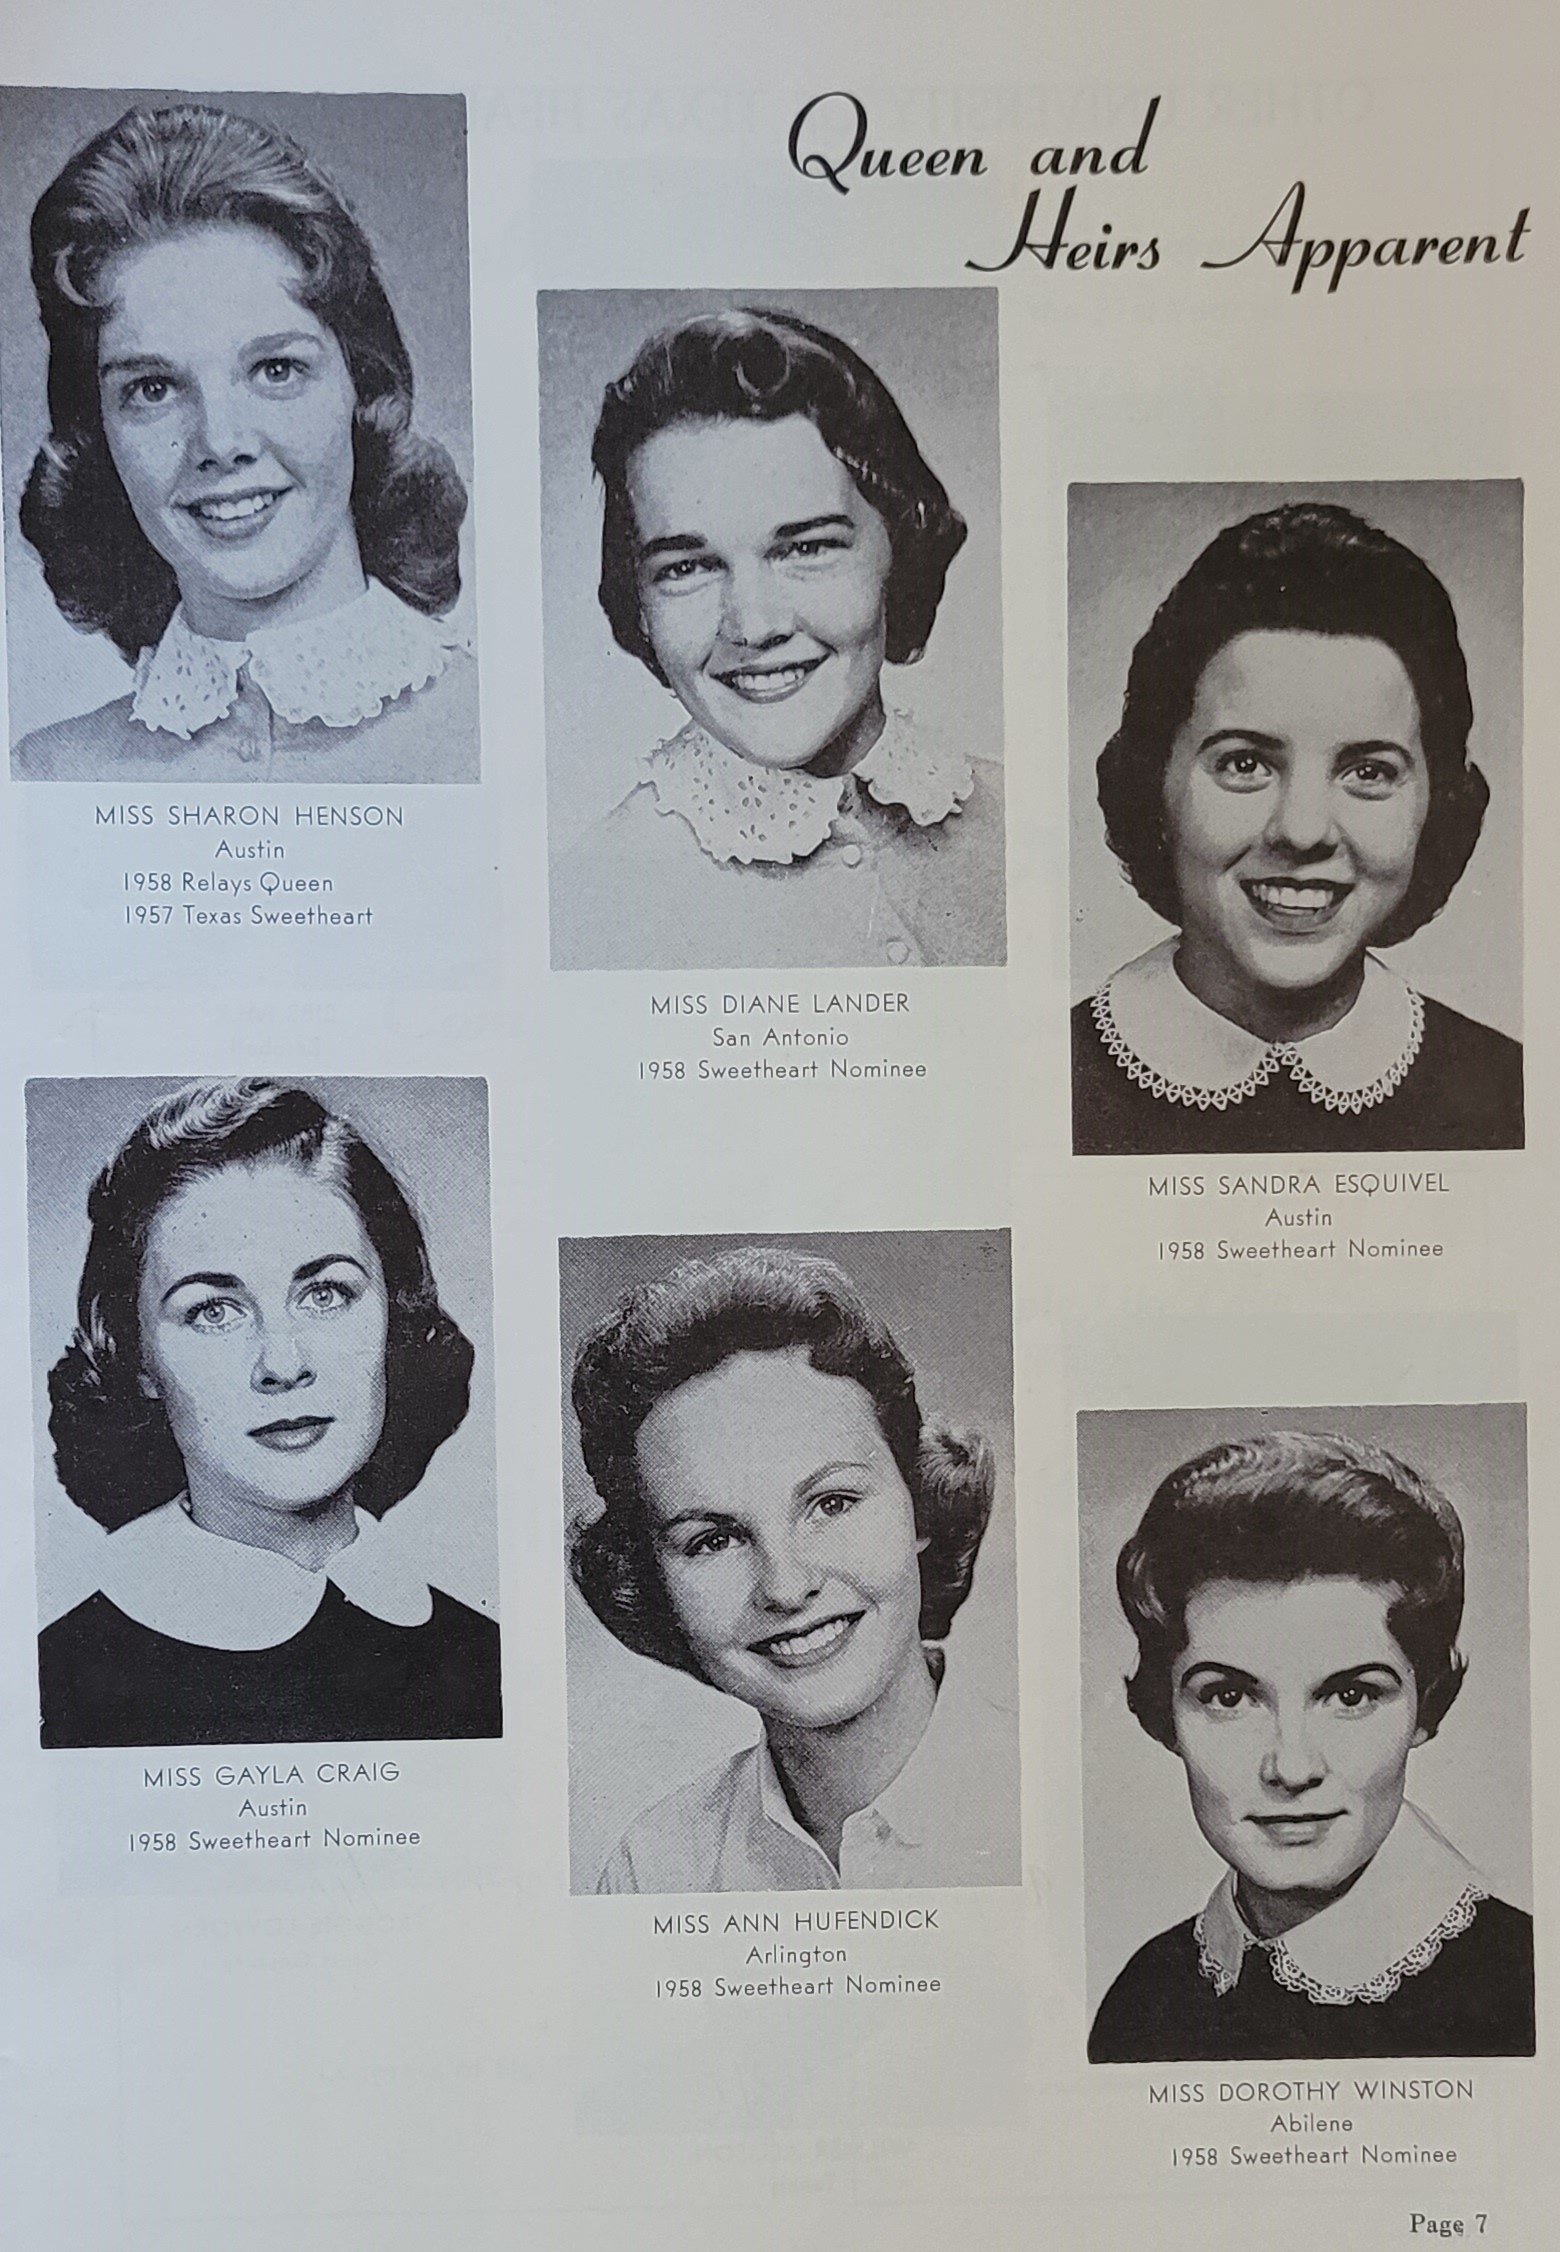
x,y
755,1300
113,1447
1307,567
1290,1506
165,172
755,366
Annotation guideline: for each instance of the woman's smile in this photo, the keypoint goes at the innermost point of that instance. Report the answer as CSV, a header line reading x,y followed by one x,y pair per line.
x,y
292,1434
769,684
232,518
808,1645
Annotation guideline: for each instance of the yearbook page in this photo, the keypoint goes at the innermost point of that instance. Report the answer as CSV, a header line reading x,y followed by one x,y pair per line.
x,y
777,1125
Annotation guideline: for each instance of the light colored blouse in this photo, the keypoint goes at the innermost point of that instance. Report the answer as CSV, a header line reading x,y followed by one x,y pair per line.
x,y
370,692
949,1817
715,862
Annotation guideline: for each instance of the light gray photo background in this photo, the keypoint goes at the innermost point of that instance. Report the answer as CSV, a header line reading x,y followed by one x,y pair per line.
x,y
935,349
433,1135
399,162
1146,1864
1128,545
638,1729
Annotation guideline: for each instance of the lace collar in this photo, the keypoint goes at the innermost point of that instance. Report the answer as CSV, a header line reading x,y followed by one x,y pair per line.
x,y
164,1572
1392,1922
340,668
1179,1049
741,811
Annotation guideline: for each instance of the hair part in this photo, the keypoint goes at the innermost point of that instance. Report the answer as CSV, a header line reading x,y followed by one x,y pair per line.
x,y
752,365
758,1299
1286,1507
114,1449
161,173
1306,567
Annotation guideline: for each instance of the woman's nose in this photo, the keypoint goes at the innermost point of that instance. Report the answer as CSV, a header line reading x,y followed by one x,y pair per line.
x,y
787,1577
282,1362
223,435
757,611
1293,1760
1302,818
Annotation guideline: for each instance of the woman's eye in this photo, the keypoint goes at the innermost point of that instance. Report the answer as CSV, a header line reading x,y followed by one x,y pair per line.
x,y
1358,1696
214,1316
808,550
1241,770
146,391
325,1295
682,570
1222,1696
1375,777
276,374
713,1543
836,1504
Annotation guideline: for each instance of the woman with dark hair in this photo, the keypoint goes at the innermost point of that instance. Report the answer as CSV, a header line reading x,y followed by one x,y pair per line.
x,y
1296,1601
231,489
261,1369
781,1522
1290,785
771,536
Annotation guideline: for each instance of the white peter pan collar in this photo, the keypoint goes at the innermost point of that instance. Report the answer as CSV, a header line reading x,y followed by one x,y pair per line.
x,y
1393,1921
340,668
1179,1049
166,1573
739,810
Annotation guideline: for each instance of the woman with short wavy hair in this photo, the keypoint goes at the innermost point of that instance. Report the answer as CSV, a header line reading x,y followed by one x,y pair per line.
x,y
782,1521
1290,786
772,536
1296,1598
231,490
261,1369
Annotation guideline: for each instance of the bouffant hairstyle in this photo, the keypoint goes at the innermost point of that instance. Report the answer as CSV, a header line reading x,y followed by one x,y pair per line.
x,y
756,366
755,1300
1307,567
1288,1506
165,172
113,1448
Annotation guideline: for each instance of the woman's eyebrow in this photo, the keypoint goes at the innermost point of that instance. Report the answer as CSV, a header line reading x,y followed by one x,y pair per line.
x,y
1219,1666
282,338
674,543
813,524
694,1517
134,363
1373,743
1366,1665
313,1267
825,1472
209,1282
1253,735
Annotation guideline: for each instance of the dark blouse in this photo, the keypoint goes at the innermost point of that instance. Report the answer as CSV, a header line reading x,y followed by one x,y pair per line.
x,y
1474,2000
1463,1091
346,1677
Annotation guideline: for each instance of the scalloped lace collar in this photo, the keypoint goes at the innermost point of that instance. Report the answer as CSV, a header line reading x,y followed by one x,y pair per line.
x,y
741,811
1416,1894
1179,1049
165,1572
339,668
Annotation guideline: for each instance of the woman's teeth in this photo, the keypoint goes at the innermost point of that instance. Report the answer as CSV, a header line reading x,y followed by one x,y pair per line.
x,y
1304,897
233,511
763,687
810,1643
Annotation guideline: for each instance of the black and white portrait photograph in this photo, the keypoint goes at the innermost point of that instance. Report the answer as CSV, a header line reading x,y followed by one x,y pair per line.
x,y
791,1626
772,628
236,416
1306,1733
261,1315
1296,746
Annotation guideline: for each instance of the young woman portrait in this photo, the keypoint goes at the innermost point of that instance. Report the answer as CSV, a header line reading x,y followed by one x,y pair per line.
x,y
777,1517
1296,1599
1290,787
262,1369
232,488
776,544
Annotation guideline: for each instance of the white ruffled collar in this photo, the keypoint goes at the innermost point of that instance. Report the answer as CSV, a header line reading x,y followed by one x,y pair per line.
x,y
340,668
741,811
1179,1049
1393,1921
166,1573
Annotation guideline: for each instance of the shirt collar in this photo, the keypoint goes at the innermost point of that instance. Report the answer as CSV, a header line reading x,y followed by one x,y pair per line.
x,y
917,1806
165,1572
739,810
340,668
1417,1893
1176,1047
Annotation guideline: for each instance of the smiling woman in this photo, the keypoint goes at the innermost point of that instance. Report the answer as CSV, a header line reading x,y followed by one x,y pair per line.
x,y
1296,1600
1290,785
781,1522
772,536
261,1369
231,489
